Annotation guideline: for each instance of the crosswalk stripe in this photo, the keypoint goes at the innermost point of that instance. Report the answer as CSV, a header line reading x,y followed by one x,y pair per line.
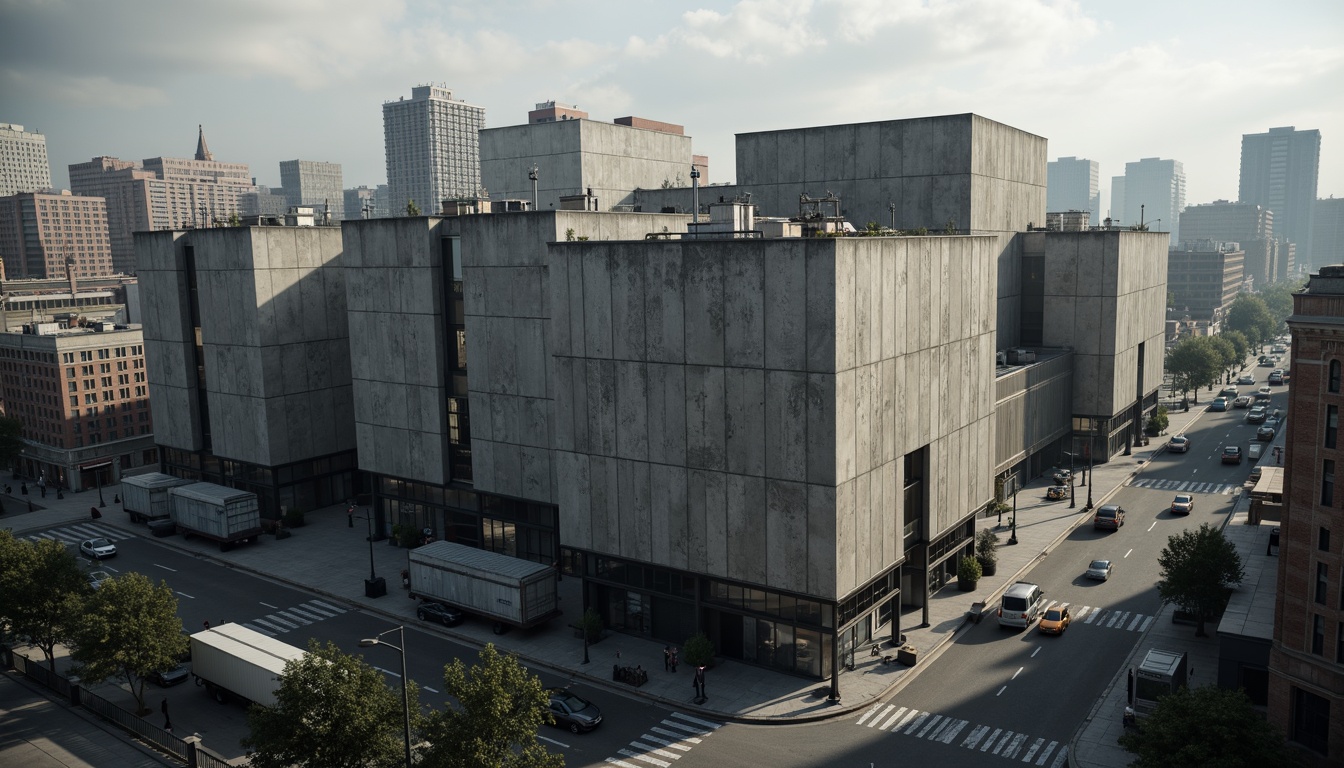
x,y
1045,755
1093,617
977,733
649,748
893,719
950,732
265,623
1115,616
931,724
1035,745
256,628
645,758
1015,746
870,712
990,741
908,717
333,608
621,763
308,613
684,729
1062,759
1146,623
1081,612
675,735
276,619
918,722
697,721
1138,617
1003,742
878,719
665,742
289,614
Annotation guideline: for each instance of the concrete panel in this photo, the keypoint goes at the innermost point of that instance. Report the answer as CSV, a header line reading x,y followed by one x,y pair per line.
x,y
706,441
822,318
846,445
574,488
785,325
745,523
744,428
596,307
786,425
635,510
669,516
845,537
786,542
605,504
627,306
846,311
632,410
821,541
704,321
667,414
822,432
743,306
600,388
664,305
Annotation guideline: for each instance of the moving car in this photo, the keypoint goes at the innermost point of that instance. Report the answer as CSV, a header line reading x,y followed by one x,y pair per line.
x,y
1062,476
1099,570
572,712
1229,392
97,549
1055,621
443,614
1246,378
96,578
1110,516
1218,404
1232,455
1183,504
1020,605
172,676
1276,377
1265,433
1056,492
1257,415
1242,401
1266,361
1279,350
1179,444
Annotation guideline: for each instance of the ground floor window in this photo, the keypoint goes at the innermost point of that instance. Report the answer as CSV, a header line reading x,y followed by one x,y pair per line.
x,y
1311,721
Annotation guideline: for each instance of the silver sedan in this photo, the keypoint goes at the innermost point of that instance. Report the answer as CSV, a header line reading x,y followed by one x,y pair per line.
x,y
1099,569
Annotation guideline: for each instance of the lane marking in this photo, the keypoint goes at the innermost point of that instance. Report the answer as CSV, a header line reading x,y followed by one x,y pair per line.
x,y
680,736
1001,690
553,741
1038,650
1018,672
166,568
189,597
1046,754
1146,623
1130,552
637,756
918,722
272,607
1062,759
1035,745
703,723
908,716
1154,525
869,713
931,723
431,690
650,749
951,733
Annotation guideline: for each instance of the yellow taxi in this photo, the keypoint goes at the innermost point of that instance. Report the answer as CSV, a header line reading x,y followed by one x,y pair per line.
x,y
1055,621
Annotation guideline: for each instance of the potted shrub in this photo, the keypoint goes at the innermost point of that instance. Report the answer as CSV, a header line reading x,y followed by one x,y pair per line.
x,y
968,573
590,624
1157,423
698,651
409,536
294,518
986,551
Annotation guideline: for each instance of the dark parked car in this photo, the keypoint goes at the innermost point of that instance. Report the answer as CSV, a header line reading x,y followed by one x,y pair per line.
x,y
162,527
1265,433
572,712
443,614
173,676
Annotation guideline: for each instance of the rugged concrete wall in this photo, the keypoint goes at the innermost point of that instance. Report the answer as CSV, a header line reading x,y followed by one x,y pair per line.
x,y
395,297
168,339
510,335
1105,294
741,408
575,155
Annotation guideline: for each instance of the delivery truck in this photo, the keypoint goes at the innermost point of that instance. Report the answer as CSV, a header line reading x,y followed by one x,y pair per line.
x,y
225,515
508,590
234,663
145,497
1160,674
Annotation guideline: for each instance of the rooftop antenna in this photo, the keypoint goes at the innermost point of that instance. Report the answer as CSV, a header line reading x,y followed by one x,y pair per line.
x,y
695,194
532,174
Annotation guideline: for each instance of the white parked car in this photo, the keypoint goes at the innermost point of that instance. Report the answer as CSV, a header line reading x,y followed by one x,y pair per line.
x,y
1099,569
98,549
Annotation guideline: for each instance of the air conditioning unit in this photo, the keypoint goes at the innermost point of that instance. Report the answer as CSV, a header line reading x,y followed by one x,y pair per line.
x,y
1021,356
1000,358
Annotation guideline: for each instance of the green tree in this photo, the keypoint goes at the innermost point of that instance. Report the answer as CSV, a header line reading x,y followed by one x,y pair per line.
x,y
1249,315
11,440
1193,363
332,711
1206,726
1199,569
235,220
130,630
492,719
1278,299
42,588
1239,342
1227,354
698,651
411,208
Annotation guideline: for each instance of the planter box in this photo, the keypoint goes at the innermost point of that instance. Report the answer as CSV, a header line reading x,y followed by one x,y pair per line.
x,y
907,655
966,586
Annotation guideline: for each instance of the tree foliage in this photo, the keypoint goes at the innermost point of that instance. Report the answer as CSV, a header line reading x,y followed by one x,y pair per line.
x,y
11,440
1226,352
42,588
412,209
1193,363
1206,726
1278,298
332,711
129,630
698,650
492,719
1198,570
1249,315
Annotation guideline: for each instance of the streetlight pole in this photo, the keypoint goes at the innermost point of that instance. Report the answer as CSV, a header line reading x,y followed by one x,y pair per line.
x,y
1073,482
532,176
405,684
98,475
373,587
1091,449
1012,538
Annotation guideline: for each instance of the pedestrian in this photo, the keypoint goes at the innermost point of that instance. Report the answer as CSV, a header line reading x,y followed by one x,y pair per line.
x,y
23,488
207,624
674,660
350,516
667,659
700,682
93,512
164,707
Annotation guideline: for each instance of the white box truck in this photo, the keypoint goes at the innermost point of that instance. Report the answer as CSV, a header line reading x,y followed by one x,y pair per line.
x,y
145,497
1161,673
225,515
233,662
511,591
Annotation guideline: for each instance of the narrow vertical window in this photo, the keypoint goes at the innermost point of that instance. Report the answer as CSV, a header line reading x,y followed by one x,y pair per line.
x,y
1334,376
1331,425
1328,483
1318,635
1322,581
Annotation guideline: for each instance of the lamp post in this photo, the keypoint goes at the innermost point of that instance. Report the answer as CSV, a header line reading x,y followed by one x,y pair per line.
x,y
533,176
695,195
892,207
98,475
1073,503
374,587
405,688
1090,451
1012,537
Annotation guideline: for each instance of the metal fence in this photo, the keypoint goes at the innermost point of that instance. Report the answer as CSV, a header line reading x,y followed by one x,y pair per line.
x,y
133,723
35,669
206,758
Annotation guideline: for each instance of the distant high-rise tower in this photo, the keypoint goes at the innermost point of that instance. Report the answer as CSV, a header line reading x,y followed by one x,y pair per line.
x,y
1327,232
315,183
23,161
433,149
1117,210
1250,225
1279,170
51,235
1153,189
1071,185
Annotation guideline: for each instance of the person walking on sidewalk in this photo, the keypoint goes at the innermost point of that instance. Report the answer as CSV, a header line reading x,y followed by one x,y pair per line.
x,y
667,658
674,660
167,721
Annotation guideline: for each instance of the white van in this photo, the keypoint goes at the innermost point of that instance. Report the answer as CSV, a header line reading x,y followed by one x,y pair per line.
x,y
1021,605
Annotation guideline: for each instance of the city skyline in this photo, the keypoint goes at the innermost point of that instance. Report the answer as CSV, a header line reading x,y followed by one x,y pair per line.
x,y
309,80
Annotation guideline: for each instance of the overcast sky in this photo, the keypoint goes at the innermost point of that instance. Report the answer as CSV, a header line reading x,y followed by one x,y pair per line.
x,y
1107,80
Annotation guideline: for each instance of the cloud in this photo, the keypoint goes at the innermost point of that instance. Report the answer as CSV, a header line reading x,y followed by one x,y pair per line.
x,y
86,91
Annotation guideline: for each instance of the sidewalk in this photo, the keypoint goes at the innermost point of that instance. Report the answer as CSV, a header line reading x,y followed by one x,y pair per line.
x,y
329,558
